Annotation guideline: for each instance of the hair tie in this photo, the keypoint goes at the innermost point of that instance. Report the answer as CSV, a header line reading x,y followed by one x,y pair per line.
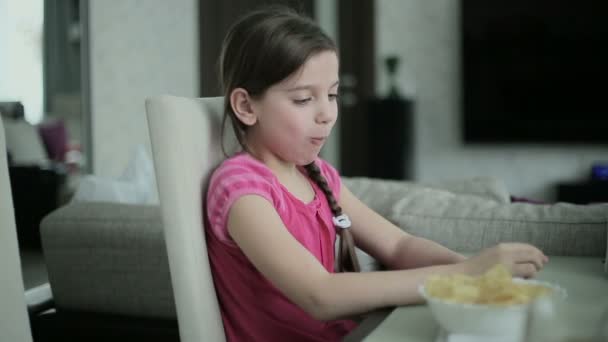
x,y
342,221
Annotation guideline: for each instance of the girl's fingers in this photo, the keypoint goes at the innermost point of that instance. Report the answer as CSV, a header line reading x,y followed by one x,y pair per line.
x,y
525,270
532,256
522,252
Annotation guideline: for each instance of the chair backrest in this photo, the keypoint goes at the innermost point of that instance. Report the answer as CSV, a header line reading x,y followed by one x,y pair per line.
x,y
186,147
14,322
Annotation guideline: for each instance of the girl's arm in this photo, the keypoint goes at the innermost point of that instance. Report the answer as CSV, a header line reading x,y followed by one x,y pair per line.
x,y
256,227
386,242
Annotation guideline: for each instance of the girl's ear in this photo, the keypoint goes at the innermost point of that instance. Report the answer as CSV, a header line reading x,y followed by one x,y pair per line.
x,y
241,106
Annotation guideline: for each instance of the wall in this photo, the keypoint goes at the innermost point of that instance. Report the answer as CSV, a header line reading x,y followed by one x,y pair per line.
x,y
326,16
138,48
21,61
425,35
133,57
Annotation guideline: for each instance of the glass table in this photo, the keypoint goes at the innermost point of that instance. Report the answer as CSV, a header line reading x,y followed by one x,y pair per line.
x,y
583,277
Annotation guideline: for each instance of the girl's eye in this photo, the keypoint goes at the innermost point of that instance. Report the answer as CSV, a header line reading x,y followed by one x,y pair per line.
x,y
333,97
301,101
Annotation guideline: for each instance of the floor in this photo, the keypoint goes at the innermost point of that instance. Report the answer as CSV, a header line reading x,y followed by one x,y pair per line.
x,y
33,268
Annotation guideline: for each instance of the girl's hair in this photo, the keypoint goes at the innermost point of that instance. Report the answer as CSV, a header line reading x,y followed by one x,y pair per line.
x,y
261,49
346,260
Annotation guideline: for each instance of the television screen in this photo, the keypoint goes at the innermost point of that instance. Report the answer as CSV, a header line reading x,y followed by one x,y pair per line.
x,y
535,71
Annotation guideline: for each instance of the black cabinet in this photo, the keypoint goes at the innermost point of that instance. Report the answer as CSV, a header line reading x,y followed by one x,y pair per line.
x,y
35,192
583,193
390,125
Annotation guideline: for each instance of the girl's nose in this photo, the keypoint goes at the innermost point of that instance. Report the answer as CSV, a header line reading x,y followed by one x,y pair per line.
x,y
325,113
323,119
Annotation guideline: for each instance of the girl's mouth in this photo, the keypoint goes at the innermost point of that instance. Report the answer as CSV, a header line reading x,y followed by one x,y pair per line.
x,y
318,141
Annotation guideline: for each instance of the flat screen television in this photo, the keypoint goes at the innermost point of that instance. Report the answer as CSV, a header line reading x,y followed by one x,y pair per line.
x,y
534,71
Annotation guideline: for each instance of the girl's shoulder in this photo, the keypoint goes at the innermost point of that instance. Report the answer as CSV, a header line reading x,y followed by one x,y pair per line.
x,y
238,171
235,177
242,170
242,163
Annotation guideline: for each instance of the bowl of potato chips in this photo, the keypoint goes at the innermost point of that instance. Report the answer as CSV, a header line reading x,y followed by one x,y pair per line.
x,y
491,304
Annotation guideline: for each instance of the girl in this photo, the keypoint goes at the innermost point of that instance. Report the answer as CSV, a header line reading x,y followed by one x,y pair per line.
x,y
274,209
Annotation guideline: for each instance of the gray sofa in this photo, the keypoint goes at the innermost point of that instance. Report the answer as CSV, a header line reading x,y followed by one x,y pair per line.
x,y
111,258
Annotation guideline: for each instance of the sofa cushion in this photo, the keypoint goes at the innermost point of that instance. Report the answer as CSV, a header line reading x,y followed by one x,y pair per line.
x,y
486,187
381,194
469,223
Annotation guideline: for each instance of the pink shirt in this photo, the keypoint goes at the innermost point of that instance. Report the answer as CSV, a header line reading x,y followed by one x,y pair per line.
x,y
252,308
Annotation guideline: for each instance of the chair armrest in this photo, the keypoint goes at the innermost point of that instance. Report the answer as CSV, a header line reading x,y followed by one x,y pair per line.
x,y
109,258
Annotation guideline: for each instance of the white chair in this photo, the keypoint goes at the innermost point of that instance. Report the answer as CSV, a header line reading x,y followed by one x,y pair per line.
x,y
14,322
185,136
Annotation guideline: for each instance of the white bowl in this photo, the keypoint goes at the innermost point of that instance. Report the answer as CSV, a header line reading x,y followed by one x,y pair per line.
x,y
479,319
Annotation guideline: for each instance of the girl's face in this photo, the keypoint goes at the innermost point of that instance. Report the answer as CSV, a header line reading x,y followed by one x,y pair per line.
x,y
296,115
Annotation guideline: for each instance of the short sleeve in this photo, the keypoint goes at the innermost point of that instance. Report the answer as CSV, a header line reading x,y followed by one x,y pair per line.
x,y
332,176
228,184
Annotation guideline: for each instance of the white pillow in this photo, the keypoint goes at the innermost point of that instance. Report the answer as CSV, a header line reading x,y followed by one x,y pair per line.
x,y
24,143
137,185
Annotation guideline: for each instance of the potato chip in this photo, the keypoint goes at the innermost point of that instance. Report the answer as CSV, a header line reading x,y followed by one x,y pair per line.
x,y
495,287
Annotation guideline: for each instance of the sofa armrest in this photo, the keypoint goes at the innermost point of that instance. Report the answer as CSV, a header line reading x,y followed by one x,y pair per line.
x,y
109,258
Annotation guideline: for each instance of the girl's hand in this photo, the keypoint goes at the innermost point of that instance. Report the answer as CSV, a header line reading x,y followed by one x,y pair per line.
x,y
522,260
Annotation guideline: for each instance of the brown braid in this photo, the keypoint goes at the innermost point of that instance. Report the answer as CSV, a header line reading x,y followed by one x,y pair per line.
x,y
346,260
